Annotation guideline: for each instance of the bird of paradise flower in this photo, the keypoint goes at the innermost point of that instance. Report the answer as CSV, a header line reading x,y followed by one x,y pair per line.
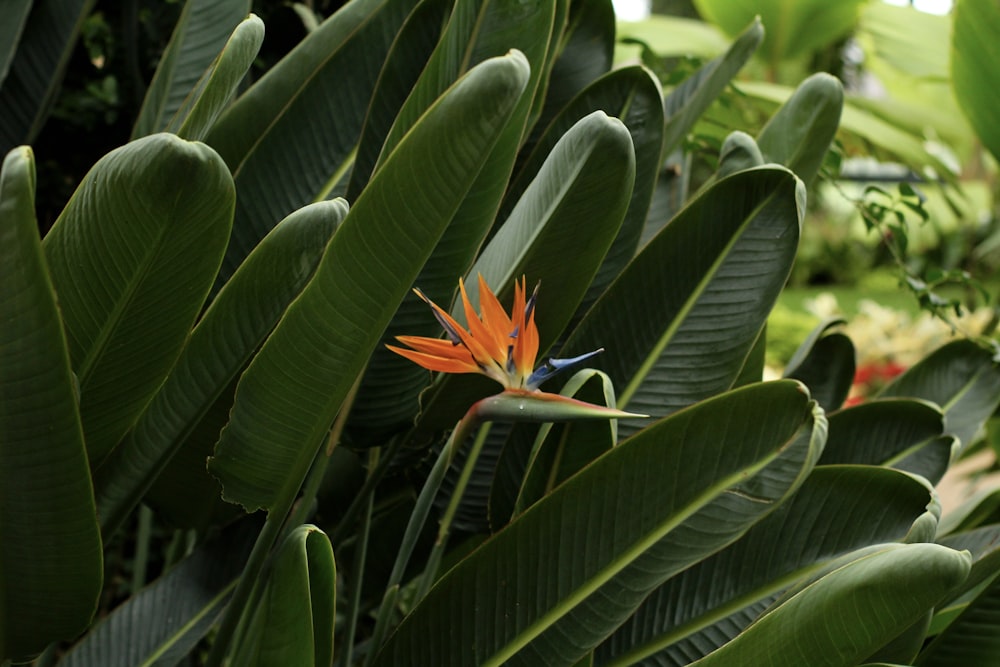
x,y
504,348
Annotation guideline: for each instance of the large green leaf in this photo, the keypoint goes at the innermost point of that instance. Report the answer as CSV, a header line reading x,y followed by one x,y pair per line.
x,y
683,107
882,432
201,32
962,378
50,548
294,387
586,48
290,138
825,363
413,46
132,257
15,17
634,95
794,27
293,623
707,605
974,50
218,84
736,456
229,332
800,133
970,639
30,87
846,615
684,315
164,621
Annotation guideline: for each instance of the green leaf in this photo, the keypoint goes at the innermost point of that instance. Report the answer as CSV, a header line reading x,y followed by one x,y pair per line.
x,y
15,18
968,640
410,51
873,599
707,605
132,257
974,78
291,137
201,33
230,331
50,548
289,396
680,321
293,624
882,432
688,101
219,83
163,622
739,151
634,95
674,36
800,133
825,363
962,378
737,455
561,450
793,28
586,48
31,84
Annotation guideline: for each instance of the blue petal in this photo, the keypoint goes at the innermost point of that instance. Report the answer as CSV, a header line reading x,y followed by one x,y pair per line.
x,y
555,366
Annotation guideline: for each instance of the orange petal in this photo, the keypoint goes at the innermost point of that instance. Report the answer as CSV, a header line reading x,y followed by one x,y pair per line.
x,y
494,317
482,333
435,363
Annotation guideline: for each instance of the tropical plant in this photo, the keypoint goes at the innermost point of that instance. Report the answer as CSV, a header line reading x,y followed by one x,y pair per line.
x,y
235,284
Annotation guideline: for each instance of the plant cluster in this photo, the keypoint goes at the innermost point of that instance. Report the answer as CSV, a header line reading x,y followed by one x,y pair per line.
x,y
218,335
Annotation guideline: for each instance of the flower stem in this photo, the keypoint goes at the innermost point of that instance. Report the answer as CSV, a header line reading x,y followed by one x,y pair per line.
x,y
444,529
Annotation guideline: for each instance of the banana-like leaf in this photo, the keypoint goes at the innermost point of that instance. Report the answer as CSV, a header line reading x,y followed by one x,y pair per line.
x,y
290,138
132,257
681,320
218,85
707,605
293,623
410,51
50,548
800,133
513,447
975,82
881,432
825,363
229,332
560,451
574,207
163,622
846,615
969,639
27,92
634,95
688,101
293,389
586,48
984,545
201,33
736,456
739,151
15,17
794,28
962,378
